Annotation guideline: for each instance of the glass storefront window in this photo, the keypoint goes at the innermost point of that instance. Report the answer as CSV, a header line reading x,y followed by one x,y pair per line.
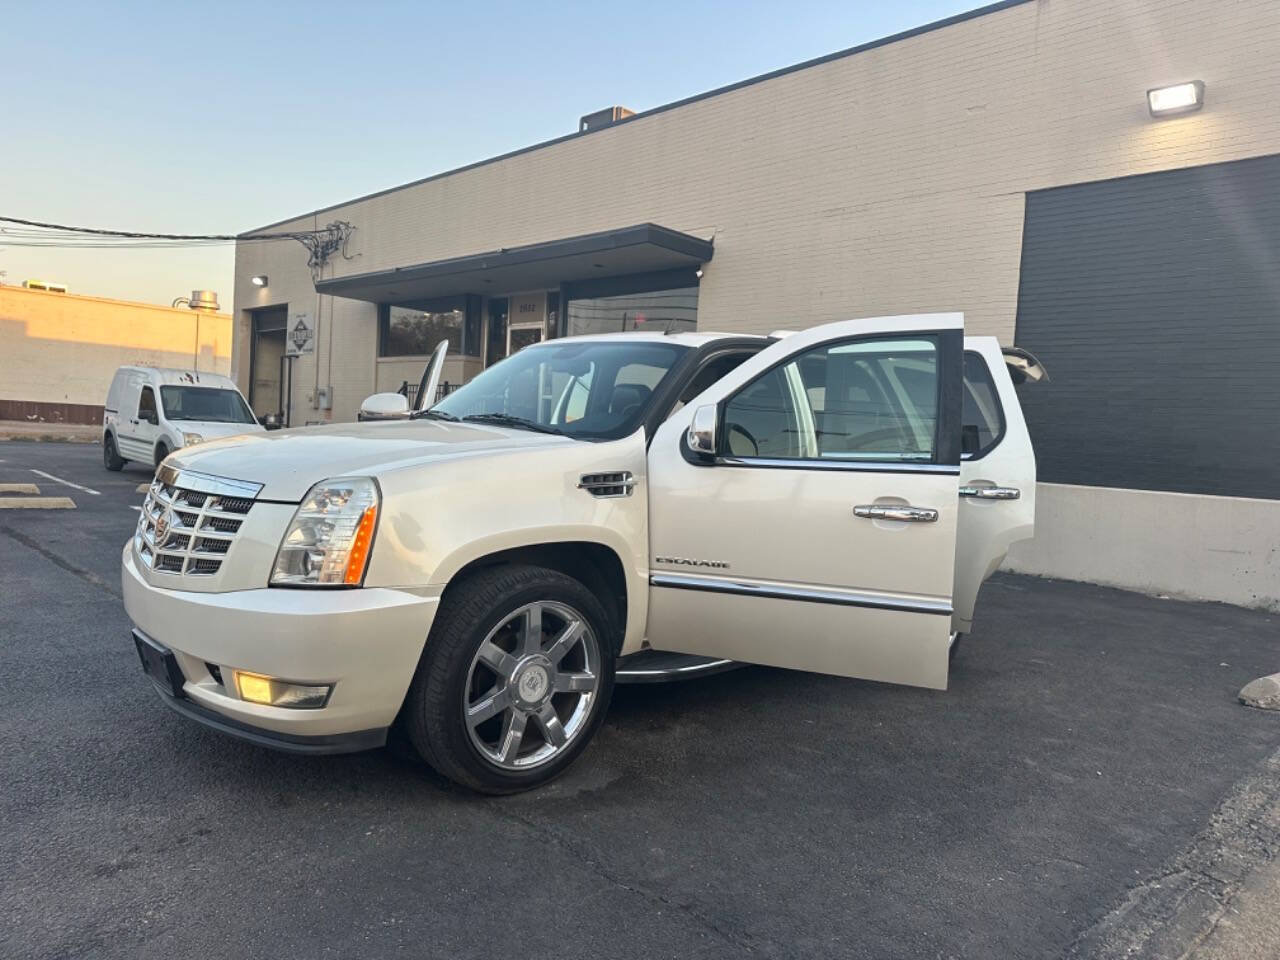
x,y
414,329
659,311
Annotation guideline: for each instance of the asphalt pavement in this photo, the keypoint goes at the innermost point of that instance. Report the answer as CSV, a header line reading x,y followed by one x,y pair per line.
x,y
1077,770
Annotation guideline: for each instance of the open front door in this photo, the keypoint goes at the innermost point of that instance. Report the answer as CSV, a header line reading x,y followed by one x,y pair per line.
x,y
429,385
815,526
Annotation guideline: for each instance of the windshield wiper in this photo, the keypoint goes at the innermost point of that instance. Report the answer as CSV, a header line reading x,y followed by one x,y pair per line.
x,y
507,420
433,414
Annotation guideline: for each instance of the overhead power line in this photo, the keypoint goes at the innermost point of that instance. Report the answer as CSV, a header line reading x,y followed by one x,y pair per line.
x,y
140,235
321,243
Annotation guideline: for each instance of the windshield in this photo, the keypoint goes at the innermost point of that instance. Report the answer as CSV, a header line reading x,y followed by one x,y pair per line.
x,y
594,390
205,403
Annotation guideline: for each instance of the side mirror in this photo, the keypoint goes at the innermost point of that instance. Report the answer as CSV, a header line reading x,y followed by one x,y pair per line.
x,y
271,421
152,418
384,406
702,430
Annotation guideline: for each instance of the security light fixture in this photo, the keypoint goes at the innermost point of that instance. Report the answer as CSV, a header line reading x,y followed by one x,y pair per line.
x,y
1179,98
260,280
698,273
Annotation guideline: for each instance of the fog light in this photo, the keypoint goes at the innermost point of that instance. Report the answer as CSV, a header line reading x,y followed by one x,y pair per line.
x,y
278,693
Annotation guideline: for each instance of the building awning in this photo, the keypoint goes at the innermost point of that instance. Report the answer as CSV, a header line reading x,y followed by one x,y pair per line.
x,y
643,248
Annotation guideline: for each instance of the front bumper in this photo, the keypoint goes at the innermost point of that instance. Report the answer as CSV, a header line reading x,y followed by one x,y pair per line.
x,y
365,642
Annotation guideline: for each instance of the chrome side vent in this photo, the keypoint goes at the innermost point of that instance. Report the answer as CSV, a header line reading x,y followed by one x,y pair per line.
x,y
618,484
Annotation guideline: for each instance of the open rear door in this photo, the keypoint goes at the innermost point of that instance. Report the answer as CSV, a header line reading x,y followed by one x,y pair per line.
x,y
997,469
808,519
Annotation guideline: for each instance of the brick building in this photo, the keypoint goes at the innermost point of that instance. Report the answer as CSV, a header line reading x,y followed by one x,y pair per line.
x,y
1005,163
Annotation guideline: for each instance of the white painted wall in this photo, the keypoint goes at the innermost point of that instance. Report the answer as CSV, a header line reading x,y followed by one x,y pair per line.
x,y
1176,544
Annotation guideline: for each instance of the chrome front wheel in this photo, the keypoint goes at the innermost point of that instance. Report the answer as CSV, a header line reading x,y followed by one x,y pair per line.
x,y
515,678
531,685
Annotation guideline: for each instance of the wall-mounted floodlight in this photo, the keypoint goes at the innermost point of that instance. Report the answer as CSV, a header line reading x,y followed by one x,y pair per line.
x,y
260,280
1179,98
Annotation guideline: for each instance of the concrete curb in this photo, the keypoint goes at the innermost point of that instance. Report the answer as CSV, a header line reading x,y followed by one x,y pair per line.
x,y
38,437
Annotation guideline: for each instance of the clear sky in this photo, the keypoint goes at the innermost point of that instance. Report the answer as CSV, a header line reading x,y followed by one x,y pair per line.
x,y
221,117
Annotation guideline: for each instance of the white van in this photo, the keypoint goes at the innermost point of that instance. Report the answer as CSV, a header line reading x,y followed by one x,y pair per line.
x,y
152,411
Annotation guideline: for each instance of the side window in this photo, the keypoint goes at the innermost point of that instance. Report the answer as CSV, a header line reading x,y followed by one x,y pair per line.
x,y
146,403
861,401
982,417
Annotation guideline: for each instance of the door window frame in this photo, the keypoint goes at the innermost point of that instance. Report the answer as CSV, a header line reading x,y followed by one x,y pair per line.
x,y
946,459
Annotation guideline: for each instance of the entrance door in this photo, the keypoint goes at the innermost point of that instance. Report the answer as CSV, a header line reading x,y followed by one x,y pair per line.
x,y
821,533
266,383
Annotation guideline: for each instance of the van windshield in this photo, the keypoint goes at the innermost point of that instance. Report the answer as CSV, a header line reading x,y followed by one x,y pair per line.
x,y
205,403
591,390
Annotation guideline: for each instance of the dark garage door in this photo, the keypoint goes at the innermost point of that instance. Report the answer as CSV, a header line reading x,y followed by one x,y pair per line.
x,y
1154,302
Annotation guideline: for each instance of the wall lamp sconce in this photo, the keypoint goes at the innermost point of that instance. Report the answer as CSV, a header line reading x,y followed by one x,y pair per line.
x,y
698,273
1179,98
260,280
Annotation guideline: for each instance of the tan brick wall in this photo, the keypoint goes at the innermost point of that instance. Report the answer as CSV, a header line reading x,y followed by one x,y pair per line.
x,y
58,348
891,181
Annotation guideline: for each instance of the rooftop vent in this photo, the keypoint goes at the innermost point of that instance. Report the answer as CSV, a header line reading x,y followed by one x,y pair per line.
x,y
203,300
604,118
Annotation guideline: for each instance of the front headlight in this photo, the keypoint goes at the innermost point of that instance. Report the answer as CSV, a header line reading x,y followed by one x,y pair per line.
x,y
191,438
327,543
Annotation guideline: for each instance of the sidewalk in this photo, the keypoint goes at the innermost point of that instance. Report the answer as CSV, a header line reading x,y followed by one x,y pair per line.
x,y
58,432
1249,929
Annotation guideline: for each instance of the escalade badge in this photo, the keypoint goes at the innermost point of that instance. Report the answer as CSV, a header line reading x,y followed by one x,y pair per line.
x,y
690,562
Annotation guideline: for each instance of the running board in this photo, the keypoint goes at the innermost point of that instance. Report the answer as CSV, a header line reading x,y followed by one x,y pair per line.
x,y
659,666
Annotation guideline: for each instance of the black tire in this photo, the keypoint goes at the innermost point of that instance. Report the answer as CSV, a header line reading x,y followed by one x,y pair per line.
x,y
468,613
111,458
162,451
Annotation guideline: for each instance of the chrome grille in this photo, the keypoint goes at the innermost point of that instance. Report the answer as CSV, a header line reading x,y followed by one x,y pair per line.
x,y
189,521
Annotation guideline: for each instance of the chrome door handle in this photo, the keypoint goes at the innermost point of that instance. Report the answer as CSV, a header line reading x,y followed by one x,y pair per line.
x,y
991,493
879,511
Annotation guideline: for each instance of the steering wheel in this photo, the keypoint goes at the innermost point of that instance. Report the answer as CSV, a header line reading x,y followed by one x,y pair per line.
x,y
739,428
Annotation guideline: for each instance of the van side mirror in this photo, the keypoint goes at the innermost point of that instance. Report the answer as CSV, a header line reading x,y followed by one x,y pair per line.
x,y
702,430
271,421
152,418
384,406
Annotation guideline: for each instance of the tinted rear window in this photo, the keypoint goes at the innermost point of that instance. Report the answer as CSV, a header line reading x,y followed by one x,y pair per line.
x,y
981,419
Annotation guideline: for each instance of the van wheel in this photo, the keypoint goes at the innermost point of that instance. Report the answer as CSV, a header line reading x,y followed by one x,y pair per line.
x,y
514,681
162,451
111,458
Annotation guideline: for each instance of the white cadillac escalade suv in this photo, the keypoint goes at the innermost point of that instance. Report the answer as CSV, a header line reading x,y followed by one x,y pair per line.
x,y
636,506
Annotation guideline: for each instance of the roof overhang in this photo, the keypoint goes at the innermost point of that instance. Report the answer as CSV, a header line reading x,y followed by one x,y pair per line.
x,y
643,248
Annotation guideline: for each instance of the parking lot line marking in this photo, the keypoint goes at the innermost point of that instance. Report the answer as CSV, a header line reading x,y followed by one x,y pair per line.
x,y
50,476
143,488
37,503
19,488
